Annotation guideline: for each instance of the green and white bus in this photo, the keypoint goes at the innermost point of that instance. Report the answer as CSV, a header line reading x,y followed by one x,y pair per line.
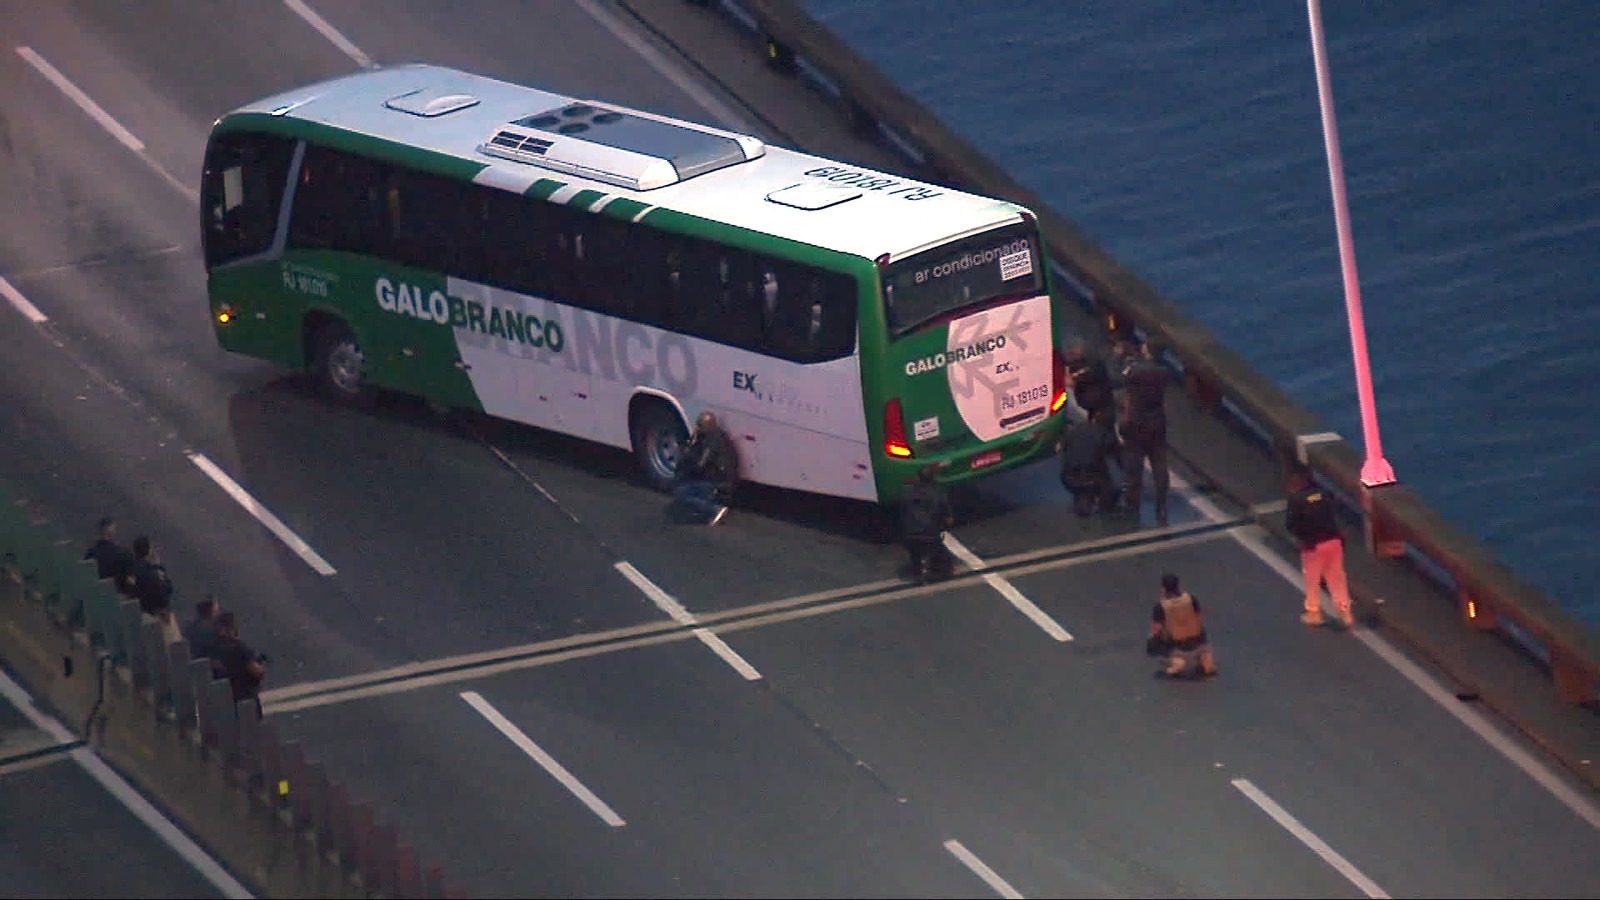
x,y
609,273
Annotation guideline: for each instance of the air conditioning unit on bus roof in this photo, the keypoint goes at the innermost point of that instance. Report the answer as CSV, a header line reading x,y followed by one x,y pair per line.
x,y
617,146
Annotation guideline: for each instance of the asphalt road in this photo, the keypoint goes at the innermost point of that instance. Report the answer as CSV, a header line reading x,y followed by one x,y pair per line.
x,y
70,826
840,733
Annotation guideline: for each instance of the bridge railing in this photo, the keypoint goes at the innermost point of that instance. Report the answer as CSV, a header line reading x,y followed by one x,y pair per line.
x,y
1396,521
275,815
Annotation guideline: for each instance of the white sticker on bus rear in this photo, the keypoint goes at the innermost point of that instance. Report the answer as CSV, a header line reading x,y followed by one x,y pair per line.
x,y
1008,387
1016,265
926,429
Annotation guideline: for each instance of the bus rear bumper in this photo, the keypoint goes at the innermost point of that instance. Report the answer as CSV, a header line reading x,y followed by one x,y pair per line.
x,y
956,468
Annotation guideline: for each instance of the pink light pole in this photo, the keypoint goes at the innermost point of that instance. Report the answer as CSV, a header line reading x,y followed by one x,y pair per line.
x,y
1375,470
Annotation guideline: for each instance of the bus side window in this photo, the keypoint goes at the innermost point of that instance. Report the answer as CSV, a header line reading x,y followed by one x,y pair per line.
x,y
696,286
242,193
559,235
515,242
340,203
431,224
814,316
739,307
650,279
602,267
832,326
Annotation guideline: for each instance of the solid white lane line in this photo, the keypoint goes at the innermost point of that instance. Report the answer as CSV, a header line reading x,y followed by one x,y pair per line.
x,y
669,605
79,97
21,303
123,135
261,513
170,834
989,876
1007,590
672,72
328,31
1305,836
1580,805
559,772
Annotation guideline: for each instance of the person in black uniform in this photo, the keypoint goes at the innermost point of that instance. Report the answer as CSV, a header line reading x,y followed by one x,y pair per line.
x,y
1090,379
924,515
112,560
1144,426
1086,449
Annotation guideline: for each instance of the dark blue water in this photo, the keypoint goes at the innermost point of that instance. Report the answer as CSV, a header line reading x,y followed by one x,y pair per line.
x,y
1185,137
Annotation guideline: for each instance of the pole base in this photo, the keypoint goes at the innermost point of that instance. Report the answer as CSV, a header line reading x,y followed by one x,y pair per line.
x,y
1376,472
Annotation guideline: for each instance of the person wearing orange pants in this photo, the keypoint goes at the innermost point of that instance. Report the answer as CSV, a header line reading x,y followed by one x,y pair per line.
x,y
1311,521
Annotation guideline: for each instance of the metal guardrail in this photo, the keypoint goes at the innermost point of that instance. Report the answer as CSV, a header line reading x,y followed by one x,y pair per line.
x,y
1396,520
340,848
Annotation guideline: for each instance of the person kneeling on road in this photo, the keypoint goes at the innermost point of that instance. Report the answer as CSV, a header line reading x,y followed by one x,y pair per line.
x,y
707,471
924,515
1176,620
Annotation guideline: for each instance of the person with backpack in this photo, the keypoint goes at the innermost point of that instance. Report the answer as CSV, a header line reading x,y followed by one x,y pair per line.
x,y
924,515
1086,450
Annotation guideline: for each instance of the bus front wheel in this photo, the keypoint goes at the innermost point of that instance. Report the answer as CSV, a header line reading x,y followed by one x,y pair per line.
x,y
659,437
339,366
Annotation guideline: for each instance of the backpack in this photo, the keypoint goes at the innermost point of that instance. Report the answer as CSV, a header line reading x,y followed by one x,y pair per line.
x,y
919,512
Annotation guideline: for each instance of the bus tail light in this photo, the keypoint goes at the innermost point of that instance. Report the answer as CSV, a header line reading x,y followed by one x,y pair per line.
x,y
894,430
1058,380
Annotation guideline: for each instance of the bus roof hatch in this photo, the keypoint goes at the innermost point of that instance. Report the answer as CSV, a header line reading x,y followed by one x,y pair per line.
x,y
626,148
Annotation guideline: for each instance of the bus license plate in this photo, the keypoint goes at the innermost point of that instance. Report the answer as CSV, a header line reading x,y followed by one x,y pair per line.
x,y
987,458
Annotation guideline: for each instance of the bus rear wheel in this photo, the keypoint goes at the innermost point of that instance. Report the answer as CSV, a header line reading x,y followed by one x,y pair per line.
x,y
659,437
338,366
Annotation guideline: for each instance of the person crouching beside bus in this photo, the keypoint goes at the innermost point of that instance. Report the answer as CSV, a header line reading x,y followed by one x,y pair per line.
x,y
707,471
1177,620
924,515
1086,450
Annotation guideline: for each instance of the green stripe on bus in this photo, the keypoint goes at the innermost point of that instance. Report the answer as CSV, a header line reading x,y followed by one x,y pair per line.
x,y
624,209
583,198
543,188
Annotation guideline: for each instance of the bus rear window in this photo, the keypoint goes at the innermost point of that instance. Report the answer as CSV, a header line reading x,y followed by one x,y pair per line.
x,y
1000,263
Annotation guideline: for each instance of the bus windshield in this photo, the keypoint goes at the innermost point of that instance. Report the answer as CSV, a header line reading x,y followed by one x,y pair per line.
x,y
1004,262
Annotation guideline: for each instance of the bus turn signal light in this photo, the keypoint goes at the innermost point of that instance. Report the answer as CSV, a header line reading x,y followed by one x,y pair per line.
x,y
894,430
224,315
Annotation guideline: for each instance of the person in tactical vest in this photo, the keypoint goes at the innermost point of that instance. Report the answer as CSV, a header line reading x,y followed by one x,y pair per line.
x,y
924,515
1177,621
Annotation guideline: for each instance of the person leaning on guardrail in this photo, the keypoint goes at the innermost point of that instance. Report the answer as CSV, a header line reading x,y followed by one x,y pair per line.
x,y
245,668
201,632
112,560
152,587
1312,522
